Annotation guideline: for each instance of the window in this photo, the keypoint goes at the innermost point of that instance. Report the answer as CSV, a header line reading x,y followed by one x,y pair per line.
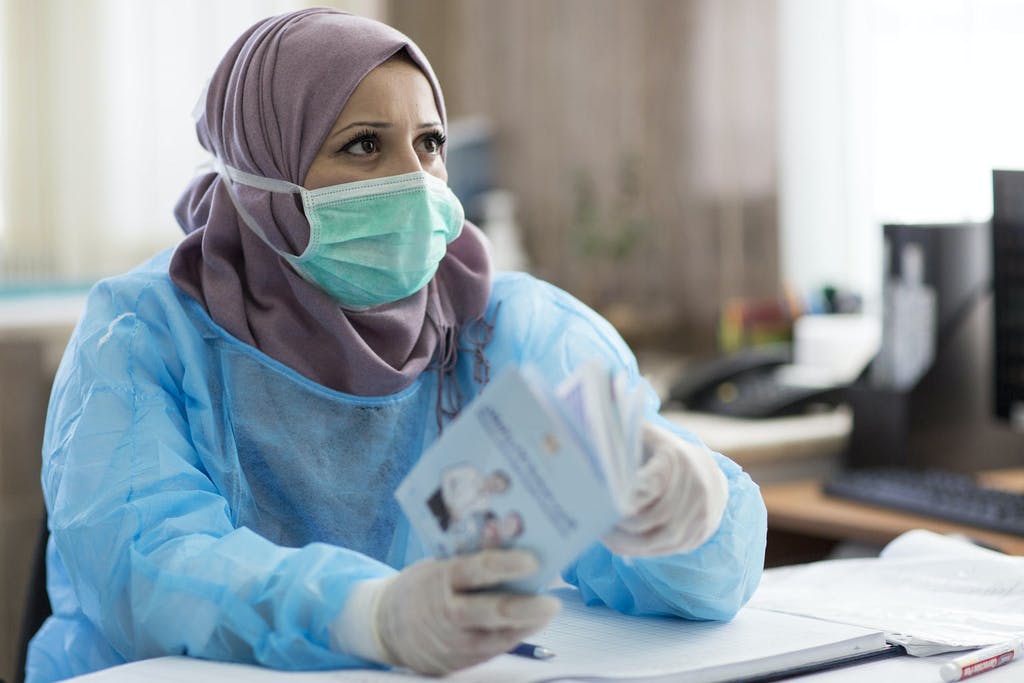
x,y
97,136
892,111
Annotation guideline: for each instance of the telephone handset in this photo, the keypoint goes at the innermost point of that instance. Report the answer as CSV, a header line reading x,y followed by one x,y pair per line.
x,y
745,384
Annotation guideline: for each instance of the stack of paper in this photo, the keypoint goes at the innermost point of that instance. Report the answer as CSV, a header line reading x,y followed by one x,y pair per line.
x,y
928,592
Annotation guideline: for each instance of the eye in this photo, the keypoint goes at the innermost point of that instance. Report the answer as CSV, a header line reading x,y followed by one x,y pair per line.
x,y
433,142
363,144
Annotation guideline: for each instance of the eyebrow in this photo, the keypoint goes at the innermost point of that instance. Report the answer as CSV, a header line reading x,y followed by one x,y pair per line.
x,y
379,125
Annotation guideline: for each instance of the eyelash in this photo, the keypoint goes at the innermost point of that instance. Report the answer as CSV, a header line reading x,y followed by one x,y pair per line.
x,y
361,136
438,137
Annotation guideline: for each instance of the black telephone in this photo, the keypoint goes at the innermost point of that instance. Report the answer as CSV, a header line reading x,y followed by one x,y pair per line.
x,y
744,384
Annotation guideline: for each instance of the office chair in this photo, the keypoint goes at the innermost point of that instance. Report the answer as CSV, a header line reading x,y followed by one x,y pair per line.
x,y
37,602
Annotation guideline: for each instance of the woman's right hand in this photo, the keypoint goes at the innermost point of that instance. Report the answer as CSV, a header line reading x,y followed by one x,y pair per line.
x,y
433,617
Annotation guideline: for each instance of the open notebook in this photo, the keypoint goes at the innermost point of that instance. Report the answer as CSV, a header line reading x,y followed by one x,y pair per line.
x,y
591,643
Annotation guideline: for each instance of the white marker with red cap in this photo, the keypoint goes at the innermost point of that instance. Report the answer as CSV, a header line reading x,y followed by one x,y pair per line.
x,y
982,660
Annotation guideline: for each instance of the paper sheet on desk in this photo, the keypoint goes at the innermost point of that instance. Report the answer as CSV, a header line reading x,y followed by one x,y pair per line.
x,y
590,642
928,592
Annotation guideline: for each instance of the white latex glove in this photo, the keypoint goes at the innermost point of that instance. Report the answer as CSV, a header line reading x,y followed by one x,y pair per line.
x,y
432,617
677,502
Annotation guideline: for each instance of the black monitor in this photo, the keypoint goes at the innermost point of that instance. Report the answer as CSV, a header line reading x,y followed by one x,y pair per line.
x,y
1008,288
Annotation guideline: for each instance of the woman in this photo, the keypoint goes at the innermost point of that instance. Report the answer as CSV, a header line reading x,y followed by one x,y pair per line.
x,y
230,419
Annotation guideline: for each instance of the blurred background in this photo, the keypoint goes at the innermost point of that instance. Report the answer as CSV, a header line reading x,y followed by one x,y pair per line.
x,y
664,156
673,163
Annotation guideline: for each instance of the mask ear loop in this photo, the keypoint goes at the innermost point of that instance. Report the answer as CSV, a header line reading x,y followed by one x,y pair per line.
x,y
230,176
199,109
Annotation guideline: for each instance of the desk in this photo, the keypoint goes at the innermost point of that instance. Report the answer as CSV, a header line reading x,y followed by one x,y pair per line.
x,y
769,449
777,448
896,670
910,670
800,508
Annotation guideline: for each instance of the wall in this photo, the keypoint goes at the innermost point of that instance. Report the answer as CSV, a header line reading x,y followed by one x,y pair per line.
x,y
639,138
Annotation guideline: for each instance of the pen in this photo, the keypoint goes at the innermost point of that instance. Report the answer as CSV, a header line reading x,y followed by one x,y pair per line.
x,y
981,660
532,651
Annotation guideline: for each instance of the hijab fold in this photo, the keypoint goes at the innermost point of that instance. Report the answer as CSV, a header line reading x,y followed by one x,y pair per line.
x,y
269,106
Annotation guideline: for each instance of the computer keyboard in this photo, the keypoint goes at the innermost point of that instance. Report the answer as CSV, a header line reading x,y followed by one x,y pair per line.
x,y
935,493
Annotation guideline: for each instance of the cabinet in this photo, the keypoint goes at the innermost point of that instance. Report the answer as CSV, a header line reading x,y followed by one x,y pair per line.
x,y
33,333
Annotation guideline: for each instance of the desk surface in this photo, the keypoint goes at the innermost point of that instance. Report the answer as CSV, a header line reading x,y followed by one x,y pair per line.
x,y
909,670
801,507
895,670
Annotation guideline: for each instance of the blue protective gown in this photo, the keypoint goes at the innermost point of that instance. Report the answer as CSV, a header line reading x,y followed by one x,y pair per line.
x,y
204,499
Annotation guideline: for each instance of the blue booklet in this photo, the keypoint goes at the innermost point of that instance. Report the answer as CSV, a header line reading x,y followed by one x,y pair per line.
x,y
532,466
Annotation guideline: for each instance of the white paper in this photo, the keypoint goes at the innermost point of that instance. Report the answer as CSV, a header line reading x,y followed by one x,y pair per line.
x,y
928,592
589,642
608,415
598,643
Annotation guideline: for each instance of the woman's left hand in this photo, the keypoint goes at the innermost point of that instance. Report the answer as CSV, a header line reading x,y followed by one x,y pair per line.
x,y
677,502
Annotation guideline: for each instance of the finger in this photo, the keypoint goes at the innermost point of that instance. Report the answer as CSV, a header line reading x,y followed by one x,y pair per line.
x,y
479,646
662,540
490,568
632,545
652,480
500,611
625,544
500,641
659,513
661,509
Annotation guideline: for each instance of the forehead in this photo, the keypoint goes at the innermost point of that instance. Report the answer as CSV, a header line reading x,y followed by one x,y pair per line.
x,y
396,88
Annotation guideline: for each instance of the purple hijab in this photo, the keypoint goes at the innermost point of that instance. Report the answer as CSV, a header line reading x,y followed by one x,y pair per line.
x,y
271,103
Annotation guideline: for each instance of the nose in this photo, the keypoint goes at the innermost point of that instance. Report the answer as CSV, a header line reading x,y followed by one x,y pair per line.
x,y
405,160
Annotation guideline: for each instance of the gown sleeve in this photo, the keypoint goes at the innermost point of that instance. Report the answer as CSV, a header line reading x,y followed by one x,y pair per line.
x,y
147,540
711,582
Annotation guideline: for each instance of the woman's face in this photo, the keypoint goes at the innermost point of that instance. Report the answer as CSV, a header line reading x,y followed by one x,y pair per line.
x,y
389,126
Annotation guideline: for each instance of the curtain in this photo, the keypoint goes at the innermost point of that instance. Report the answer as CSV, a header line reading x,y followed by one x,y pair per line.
x,y
96,134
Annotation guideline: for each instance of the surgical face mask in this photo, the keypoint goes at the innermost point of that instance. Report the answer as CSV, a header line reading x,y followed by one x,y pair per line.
x,y
371,242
